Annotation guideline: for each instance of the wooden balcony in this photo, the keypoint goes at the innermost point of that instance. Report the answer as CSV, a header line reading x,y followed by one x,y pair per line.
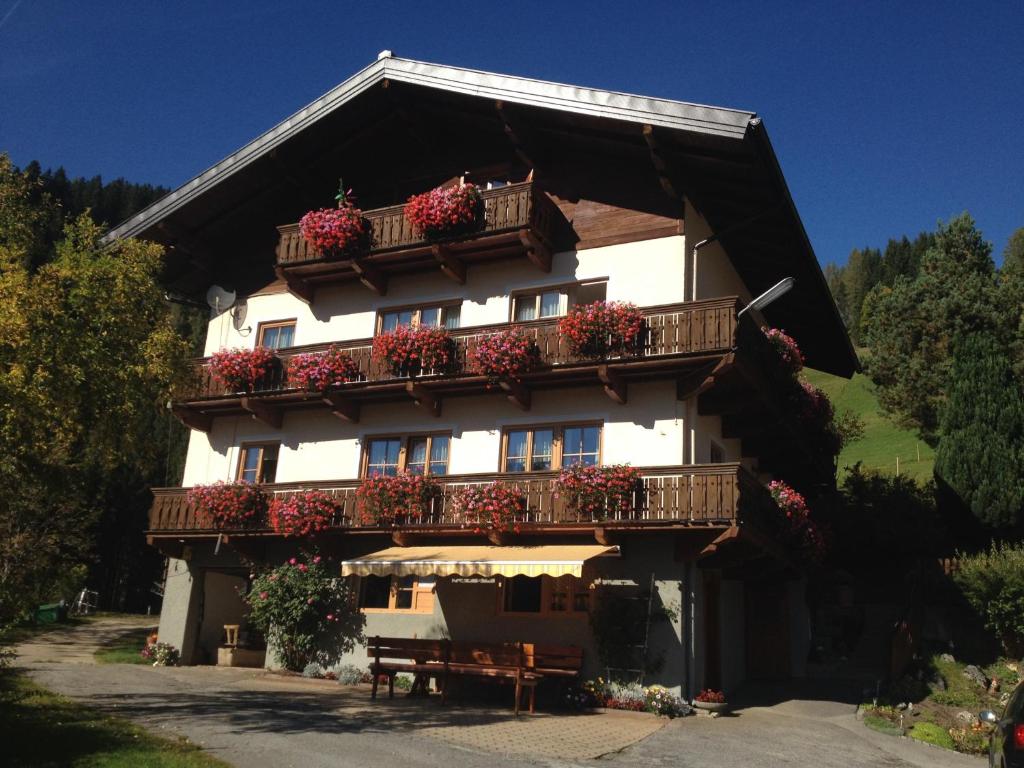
x,y
676,339
519,220
703,495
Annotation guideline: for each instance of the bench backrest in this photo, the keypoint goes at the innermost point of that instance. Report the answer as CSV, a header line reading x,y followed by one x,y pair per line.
x,y
407,648
488,654
567,657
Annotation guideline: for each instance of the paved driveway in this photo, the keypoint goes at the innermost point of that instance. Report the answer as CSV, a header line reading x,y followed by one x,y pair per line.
x,y
252,719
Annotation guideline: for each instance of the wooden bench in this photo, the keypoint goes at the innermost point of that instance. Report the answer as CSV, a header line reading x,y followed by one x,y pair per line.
x,y
494,661
423,658
561,661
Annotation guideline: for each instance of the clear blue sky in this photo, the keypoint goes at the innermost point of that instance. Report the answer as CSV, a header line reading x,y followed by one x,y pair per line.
x,y
886,116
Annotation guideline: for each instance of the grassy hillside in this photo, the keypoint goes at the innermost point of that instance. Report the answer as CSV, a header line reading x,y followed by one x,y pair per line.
x,y
883,440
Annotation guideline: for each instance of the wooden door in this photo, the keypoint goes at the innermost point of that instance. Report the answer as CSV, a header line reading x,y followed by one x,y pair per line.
x,y
767,629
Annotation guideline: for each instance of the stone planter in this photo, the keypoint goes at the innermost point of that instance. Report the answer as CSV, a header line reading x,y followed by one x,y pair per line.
x,y
718,707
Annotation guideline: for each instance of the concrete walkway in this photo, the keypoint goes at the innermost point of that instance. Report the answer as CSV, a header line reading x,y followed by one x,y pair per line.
x,y
76,643
253,719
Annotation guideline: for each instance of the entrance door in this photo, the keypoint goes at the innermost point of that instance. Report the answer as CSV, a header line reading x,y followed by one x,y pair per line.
x,y
768,642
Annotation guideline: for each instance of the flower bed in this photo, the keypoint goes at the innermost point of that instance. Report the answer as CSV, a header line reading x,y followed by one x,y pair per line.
x,y
399,500
787,348
228,505
446,211
408,351
629,696
504,355
598,493
319,371
800,530
601,329
495,506
302,513
241,370
161,654
335,231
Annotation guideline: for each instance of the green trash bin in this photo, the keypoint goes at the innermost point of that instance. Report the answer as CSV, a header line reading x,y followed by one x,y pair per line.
x,y
51,613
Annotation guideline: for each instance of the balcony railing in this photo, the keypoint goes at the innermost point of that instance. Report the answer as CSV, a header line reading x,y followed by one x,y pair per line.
x,y
691,328
700,494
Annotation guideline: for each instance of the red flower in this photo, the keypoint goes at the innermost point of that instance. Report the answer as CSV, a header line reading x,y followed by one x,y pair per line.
x,y
495,506
506,354
241,370
335,231
602,329
597,493
409,351
320,371
445,211
228,505
787,349
401,499
799,529
302,513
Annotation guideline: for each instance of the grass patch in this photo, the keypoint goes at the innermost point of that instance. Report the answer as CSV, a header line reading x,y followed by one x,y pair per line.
x,y
880,724
960,691
40,728
930,733
125,649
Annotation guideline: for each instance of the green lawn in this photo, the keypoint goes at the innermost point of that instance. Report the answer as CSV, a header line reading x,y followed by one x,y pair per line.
x,y
125,649
40,728
883,440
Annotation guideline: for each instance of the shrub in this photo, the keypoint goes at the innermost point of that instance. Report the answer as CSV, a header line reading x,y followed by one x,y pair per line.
x,y
409,351
993,583
972,739
446,211
930,733
349,674
504,355
335,231
307,614
161,654
602,329
787,348
597,493
242,370
319,371
228,504
302,513
399,500
495,506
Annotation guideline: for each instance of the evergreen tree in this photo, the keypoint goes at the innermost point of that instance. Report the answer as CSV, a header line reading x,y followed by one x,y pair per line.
x,y
1011,281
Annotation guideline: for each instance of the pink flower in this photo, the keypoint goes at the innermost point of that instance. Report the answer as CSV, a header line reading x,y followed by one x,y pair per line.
x,y
330,617
263,595
309,601
292,561
316,559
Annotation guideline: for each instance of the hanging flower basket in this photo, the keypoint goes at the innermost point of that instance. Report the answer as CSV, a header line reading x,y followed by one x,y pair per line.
x,y
446,211
602,329
504,355
404,499
320,371
228,505
599,493
242,370
495,507
336,232
302,513
797,526
409,351
787,349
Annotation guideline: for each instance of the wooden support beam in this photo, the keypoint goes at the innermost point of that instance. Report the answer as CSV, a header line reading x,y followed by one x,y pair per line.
x,y
688,545
537,251
516,134
605,536
614,385
270,415
166,547
193,419
701,380
451,265
658,161
344,408
297,287
424,397
249,548
372,278
517,393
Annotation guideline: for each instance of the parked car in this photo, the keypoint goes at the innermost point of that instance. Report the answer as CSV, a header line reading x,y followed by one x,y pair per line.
x,y
1006,747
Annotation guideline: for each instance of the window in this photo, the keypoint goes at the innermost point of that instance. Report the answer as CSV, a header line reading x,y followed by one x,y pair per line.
x,y
564,595
523,594
276,335
258,463
555,301
438,316
536,449
418,454
409,594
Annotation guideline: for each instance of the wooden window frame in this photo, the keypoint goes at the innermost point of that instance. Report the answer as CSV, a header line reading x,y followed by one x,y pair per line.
x,y
403,451
262,445
570,290
576,586
557,443
422,597
261,329
417,310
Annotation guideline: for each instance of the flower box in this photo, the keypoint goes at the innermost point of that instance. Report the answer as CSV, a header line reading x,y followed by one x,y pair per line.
x,y
599,493
302,513
320,371
602,329
494,507
402,499
504,355
336,232
410,351
229,505
798,528
787,349
242,370
446,211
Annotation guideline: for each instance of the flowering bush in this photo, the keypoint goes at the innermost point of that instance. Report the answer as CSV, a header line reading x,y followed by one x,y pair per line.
x,y
305,612
787,348
319,371
302,513
495,506
335,231
601,329
161,654
710,696
228,504
504,355
445,211
241,370
800,530
814,410
407,351
600,492
664,703
398,500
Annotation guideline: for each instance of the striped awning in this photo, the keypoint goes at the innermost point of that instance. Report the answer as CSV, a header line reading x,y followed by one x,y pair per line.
x,y
547,560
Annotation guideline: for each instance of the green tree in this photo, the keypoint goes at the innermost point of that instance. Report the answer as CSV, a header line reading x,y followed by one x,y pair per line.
x,y
1011,281
981,450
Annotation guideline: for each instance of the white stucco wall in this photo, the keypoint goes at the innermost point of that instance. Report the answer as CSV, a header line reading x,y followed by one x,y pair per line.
x,y
710,273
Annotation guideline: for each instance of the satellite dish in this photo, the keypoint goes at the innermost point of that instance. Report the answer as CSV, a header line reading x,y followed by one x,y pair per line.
x,y
238,313
219,299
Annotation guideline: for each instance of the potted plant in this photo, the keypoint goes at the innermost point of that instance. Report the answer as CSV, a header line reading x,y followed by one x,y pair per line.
x,y
711,701
503,355
228,505
598,493
446,211
798,528
402,499
320,371
410,351
336,232
302,513
787,349
242,370
495,508
602,329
